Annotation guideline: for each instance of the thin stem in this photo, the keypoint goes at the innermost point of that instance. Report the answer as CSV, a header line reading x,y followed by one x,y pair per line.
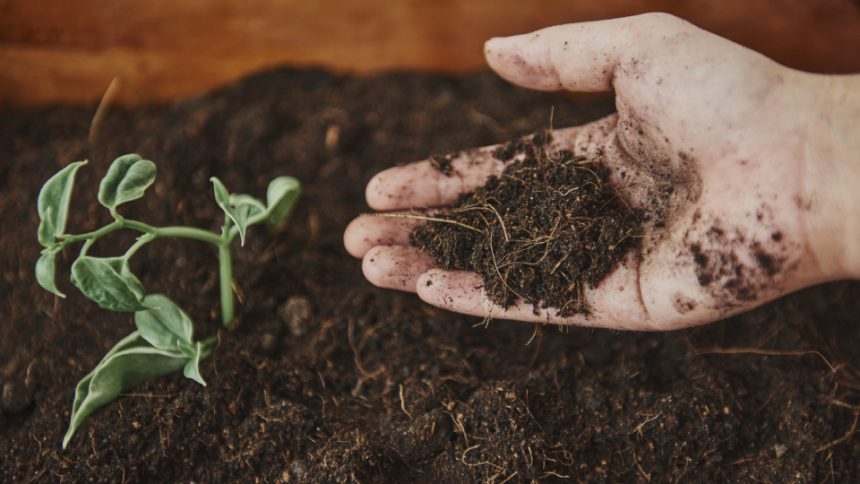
x,y
210,340
222,242
141,241
183,232
95,234
139,226
86,247
191,233
225,265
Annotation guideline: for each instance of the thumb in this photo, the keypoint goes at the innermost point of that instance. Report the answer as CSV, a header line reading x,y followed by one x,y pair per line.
x,y
577,57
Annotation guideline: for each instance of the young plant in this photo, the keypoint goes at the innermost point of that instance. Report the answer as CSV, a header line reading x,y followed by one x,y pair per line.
x,y
164,340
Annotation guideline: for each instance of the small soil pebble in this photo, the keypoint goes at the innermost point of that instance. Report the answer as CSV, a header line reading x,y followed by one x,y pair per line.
x,y
296,313
542,231
16,398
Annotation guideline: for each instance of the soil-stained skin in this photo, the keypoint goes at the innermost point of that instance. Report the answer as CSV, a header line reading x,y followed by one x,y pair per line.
x,y
737,240
734,267
708,243
712,244
708,140
542,231
724,203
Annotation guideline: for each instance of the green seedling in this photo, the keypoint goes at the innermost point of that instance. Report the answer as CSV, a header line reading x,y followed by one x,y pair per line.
x,y
164,340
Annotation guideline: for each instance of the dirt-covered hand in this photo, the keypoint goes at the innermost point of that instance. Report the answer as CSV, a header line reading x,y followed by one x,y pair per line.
x,y
737,162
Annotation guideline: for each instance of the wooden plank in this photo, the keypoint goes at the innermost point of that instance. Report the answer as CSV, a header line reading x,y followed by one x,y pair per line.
x,y
56,51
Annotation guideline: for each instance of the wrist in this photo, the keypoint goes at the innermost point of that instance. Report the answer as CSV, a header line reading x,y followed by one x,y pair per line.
x,y
830,201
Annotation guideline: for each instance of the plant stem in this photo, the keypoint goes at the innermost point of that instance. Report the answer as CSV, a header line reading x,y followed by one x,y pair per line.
x,y
190,233
222,242
111,227
225,264
141,241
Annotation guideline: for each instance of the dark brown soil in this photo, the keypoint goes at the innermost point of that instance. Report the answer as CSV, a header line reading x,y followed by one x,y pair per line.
x,y
324,378
541,231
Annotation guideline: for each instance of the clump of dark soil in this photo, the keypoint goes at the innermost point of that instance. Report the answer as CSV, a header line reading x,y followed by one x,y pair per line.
x,y
324,378
541,231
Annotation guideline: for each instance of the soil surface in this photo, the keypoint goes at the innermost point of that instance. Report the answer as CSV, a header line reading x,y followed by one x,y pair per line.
x,y
323,378
545,228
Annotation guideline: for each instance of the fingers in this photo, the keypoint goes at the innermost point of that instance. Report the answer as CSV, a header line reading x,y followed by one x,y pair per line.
x,y
578,57
368,231
395,267
614,304
423,184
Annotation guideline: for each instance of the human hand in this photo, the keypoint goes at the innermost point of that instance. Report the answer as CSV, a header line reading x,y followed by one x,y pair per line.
x,y
750,166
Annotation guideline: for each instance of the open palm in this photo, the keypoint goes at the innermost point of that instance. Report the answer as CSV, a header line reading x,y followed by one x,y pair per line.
x,y
710,140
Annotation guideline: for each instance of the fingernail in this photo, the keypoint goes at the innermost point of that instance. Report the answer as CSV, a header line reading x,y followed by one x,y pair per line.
x,y
523,60
496,45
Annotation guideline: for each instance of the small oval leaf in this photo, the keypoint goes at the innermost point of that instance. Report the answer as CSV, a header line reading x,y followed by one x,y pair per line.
x,y
222,196
53,203
281,197
45,269
244,208
192,367
45,232
127,179
131,362
108,282
163,324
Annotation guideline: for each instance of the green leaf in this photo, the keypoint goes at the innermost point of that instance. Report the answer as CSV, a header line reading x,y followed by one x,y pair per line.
x,y
53,203
108,282
222,196
281,197
192,367
131,362
45,269
242,210
127,179
164,324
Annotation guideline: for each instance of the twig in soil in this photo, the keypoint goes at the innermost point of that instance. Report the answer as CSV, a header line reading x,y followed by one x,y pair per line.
x,y
460,427
534,333
763,352
844,438
539,333
554,474
638,428
403,403
474,464
645,475
501,221
839,403
356,352
426,219
485,322
509,477
101,110
496,265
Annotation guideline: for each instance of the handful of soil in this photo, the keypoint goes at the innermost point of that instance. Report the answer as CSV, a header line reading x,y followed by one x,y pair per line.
x,y
540,231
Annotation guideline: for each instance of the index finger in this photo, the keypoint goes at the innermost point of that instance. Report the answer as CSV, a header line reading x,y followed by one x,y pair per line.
x,y
433,182
439,181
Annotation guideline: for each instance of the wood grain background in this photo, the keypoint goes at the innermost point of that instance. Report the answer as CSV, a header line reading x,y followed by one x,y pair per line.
x,y
66,51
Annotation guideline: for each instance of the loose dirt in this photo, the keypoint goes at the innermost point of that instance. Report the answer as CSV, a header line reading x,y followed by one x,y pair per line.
x,y
542,231
324,378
